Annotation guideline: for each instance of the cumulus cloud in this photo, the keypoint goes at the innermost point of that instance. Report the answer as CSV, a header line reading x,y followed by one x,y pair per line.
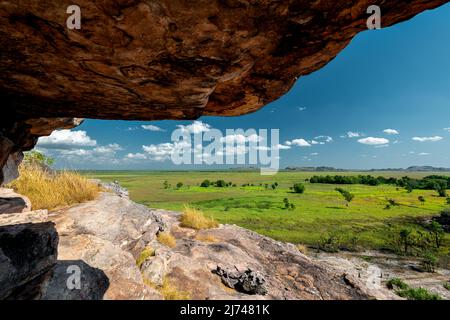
x,y
136,156
195,127
371,141
427,139
298,143
151,127
240,138
391,131
66,139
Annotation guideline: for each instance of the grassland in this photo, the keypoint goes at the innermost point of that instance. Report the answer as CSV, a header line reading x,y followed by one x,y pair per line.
x,y
318,212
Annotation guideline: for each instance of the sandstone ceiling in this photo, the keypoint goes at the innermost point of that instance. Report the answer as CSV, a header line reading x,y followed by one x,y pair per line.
x,y
171,59
164,59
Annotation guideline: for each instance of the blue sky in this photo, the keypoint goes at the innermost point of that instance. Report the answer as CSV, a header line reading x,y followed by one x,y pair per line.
x,y
395,78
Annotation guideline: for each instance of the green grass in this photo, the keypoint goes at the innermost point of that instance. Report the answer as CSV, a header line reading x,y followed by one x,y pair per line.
x,y
405,291
319,211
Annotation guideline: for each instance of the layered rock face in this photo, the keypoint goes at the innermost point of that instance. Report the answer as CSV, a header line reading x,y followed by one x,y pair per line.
x,y
164,59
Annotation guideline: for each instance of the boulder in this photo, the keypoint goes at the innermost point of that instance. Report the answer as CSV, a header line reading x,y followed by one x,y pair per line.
x,y
27,251
249,281
11,202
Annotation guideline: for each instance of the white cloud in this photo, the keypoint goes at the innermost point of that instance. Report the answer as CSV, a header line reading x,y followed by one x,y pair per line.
x,y
351,134
136,156
299,143
322,139
195,127
447,129
391,131
301,109
424,154
240,138
314,154
428,139
110,148
371,141
66,139
151,127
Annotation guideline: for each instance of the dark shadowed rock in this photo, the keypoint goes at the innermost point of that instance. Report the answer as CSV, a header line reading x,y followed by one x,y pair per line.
x,y
11,202
249,282
27,251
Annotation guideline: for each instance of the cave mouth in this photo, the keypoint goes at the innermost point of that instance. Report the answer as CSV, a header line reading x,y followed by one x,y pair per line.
x,y
141,61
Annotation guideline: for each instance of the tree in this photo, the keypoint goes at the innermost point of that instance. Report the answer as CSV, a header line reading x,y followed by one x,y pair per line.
x,y
166,184
440,189
38,158
408,187
299,188
405,239
437,232
422,200
286,203
346,194
448,200
179,185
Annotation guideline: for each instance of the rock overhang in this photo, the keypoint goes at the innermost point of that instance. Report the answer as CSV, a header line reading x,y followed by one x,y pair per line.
x,y
164,59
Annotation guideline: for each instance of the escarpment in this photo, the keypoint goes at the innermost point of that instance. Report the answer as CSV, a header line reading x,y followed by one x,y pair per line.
x,y
164,59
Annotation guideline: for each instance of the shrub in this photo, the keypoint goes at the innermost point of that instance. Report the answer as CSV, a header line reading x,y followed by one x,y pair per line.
x,y
418,294
329,242
167,239
195,219
221,183
405,291
205,184
144,255
396,283
429,262
299,188
52,190
447,286
179,185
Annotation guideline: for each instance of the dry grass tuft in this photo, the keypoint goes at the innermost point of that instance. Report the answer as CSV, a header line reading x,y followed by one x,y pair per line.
x,y
168,291
206,238
52,190
167,239
145,254
302,248
195,219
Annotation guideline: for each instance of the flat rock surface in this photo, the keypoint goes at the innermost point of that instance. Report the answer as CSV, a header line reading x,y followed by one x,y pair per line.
x,y
109,234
